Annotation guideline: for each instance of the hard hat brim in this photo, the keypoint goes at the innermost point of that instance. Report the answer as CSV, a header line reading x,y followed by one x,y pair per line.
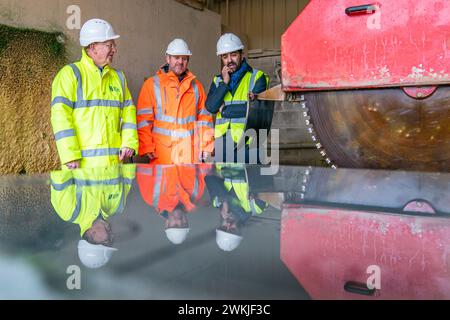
x,y
85,43
219,53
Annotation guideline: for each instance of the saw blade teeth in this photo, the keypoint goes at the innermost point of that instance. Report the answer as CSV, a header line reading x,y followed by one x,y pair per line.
x,y
312,132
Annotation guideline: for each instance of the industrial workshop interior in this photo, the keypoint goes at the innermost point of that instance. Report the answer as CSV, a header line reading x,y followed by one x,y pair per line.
x,y
198,151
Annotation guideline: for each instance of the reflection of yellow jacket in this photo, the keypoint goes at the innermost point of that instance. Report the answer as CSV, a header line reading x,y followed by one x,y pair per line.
x,y
235,179
80,196
93,115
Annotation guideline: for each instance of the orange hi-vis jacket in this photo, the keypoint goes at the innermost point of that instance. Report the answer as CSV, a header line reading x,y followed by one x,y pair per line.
x,y
164,187
172,119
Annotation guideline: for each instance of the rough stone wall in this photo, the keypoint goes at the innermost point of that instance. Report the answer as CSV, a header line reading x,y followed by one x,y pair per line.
x,y
28,62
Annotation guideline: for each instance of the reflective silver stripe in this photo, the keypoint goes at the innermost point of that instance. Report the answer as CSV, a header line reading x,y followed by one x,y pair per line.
x,y
239,120
217,82
196,93
196,189
164,118
77,73
157,187
146,171
222,120
64,101
129,126
122,81
173,134
145,111
64,134
205,124
128,103
97,103
234,180
229,103
122,202
253,207
76,212
157,90
90,183
99,152
204,112
144,124
62,186
252,80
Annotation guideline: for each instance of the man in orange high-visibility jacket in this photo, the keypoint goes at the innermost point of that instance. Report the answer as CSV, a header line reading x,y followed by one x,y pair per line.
x,y
173,124
173,192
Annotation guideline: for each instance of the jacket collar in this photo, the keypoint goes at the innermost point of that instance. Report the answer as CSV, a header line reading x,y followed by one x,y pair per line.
x,y
164,72
89,63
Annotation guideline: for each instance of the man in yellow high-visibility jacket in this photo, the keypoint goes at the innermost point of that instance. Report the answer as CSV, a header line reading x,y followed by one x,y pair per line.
x,y
89,198
93,115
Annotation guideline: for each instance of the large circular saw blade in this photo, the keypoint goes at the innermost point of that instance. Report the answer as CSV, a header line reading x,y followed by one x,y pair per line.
x,y
381,128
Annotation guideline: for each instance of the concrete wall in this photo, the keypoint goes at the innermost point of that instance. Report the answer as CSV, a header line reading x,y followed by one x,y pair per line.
x,y
146,27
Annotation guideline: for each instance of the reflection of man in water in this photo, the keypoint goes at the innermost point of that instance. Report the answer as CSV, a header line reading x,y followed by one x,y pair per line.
x,y
88,198
173,191
229,190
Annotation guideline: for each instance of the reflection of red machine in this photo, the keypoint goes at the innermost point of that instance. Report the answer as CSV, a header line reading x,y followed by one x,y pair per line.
x,y
341,226
373,80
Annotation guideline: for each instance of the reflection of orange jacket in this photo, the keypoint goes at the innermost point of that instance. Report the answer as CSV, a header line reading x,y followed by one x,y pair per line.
x,y
172,119
164,187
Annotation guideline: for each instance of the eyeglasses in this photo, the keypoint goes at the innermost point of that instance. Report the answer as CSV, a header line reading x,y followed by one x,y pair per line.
x,y
108,45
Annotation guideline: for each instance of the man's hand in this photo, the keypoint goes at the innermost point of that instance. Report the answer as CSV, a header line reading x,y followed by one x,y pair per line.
x,y
226,75
205,157
125,153
152,156
73,165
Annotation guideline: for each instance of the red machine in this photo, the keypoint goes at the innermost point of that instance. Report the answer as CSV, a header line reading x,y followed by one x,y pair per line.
x,y
349,226
373,80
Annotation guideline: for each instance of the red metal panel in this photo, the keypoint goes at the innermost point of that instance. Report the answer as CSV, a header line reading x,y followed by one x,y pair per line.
x,y
326,248
402,43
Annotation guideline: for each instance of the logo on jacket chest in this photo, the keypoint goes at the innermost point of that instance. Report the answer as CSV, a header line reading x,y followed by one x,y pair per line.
x,y
114,89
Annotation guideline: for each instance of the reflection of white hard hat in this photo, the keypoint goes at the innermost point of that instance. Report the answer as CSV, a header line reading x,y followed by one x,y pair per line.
x,y
227,241
178,47
96,30
94,256
229,43
177,235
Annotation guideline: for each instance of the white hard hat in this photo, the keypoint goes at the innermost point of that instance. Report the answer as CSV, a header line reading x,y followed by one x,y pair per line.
x,y
177,235
227,241
94,256
96,30
229,43
178,47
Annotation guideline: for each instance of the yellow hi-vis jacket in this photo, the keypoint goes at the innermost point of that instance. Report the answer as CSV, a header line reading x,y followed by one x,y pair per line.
x,y
235,178
234,114
92,115
81,196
